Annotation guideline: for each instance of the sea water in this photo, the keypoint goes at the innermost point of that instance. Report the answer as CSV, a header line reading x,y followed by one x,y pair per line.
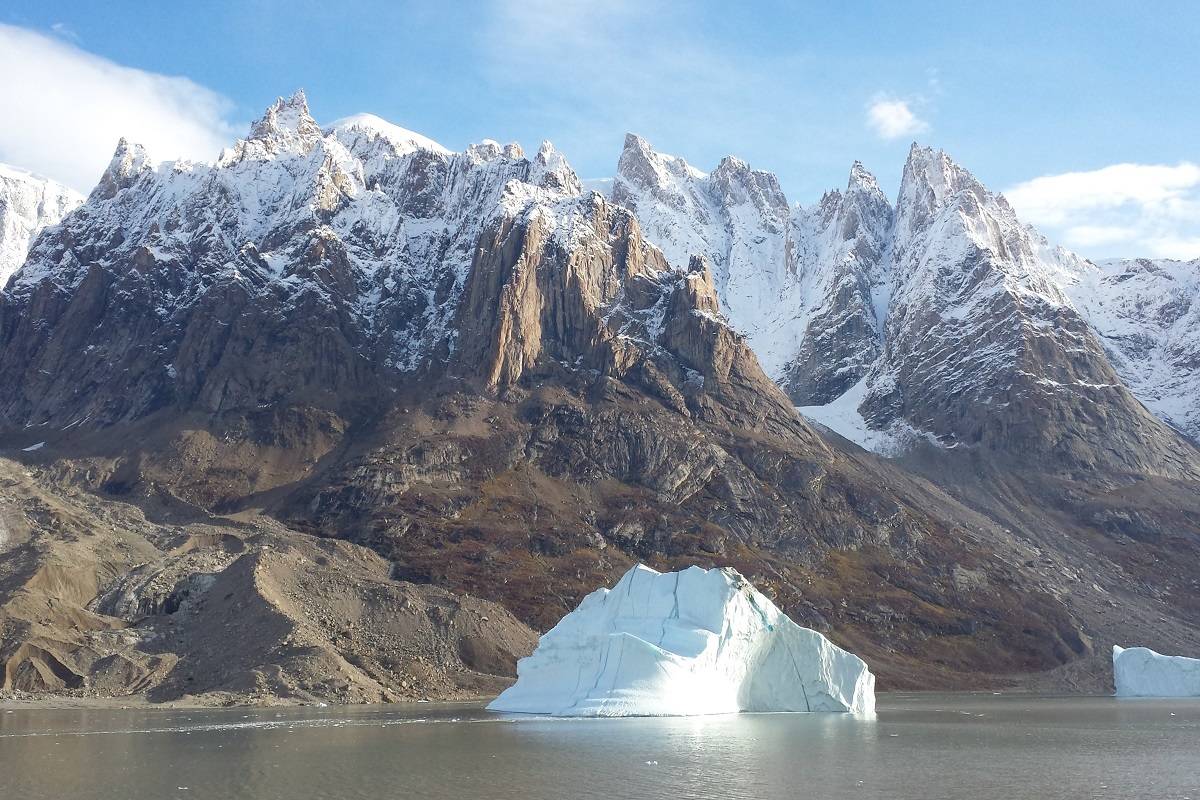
x,y
923,746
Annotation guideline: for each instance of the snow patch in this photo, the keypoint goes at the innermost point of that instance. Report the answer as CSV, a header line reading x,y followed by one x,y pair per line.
x,y
843,418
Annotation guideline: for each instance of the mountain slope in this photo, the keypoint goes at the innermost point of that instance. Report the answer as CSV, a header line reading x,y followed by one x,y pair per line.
x,y
28,204
982,347
98,598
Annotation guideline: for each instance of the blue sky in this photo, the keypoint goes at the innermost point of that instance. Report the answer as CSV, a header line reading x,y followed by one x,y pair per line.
x,y
1057,91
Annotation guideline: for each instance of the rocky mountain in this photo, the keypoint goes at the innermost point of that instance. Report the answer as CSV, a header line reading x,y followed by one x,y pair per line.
x,y
943,320
28,203
497,384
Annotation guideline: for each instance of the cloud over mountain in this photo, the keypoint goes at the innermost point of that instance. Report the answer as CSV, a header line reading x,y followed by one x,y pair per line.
x,y
72,107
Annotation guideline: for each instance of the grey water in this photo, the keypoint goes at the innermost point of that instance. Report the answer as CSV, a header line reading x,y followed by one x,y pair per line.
x,y
918,746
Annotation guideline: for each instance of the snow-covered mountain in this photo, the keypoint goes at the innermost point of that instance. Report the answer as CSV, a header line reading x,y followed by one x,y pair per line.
x,y
182,284
799,282
941,319
28,203
1147,313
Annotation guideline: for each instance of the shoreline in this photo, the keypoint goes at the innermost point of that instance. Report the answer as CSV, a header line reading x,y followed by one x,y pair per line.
x,y
139,703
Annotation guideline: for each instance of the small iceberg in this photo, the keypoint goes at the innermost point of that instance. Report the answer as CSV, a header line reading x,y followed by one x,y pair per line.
x,y
684,643
1141,672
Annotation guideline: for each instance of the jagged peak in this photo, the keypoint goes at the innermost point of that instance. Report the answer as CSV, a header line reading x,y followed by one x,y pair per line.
x,y
931,177
737,182
861,178
288,119
129,161
285,127
489,149
551,170
732,164
642,164
636,143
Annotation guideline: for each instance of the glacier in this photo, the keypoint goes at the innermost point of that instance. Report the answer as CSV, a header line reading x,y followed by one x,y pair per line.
x,y
1141,672
684,643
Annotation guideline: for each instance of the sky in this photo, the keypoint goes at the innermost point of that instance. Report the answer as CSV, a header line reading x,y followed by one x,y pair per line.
x,y
1084,114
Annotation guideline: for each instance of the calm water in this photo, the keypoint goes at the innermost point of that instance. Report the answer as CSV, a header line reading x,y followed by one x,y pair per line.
x,y
919,746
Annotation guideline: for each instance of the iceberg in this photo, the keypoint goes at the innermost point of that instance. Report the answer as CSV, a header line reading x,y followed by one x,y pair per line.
x,y
1141,672
684,643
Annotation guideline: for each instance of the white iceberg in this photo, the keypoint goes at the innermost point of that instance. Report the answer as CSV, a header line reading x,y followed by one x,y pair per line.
x,y
684,643
1141,672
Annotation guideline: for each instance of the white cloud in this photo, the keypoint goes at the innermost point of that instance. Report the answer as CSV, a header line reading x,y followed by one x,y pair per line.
x,y
1150,210
65,109
890,118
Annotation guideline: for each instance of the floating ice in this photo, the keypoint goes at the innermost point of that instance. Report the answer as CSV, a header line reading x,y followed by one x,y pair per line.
x,y
682,643
1141,672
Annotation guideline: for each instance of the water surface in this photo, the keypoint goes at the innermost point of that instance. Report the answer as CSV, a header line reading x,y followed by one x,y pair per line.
x,y
919,746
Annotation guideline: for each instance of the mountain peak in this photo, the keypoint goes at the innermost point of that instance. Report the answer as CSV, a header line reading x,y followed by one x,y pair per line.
x,y
551,170
732,164
128,162
931,177
642,165
489,149
861,178
28,204
286,126
635,142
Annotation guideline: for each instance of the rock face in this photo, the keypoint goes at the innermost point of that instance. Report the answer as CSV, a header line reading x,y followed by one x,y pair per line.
x,y
684,643
28,204
984,349
1141,672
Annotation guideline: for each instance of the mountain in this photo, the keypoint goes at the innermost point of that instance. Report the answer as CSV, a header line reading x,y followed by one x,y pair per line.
x,y
943,320
28,203
798,282
490,385
1147,315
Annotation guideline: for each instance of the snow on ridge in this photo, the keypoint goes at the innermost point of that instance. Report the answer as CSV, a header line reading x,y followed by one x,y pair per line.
x,y
826,287
403,140
843,417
